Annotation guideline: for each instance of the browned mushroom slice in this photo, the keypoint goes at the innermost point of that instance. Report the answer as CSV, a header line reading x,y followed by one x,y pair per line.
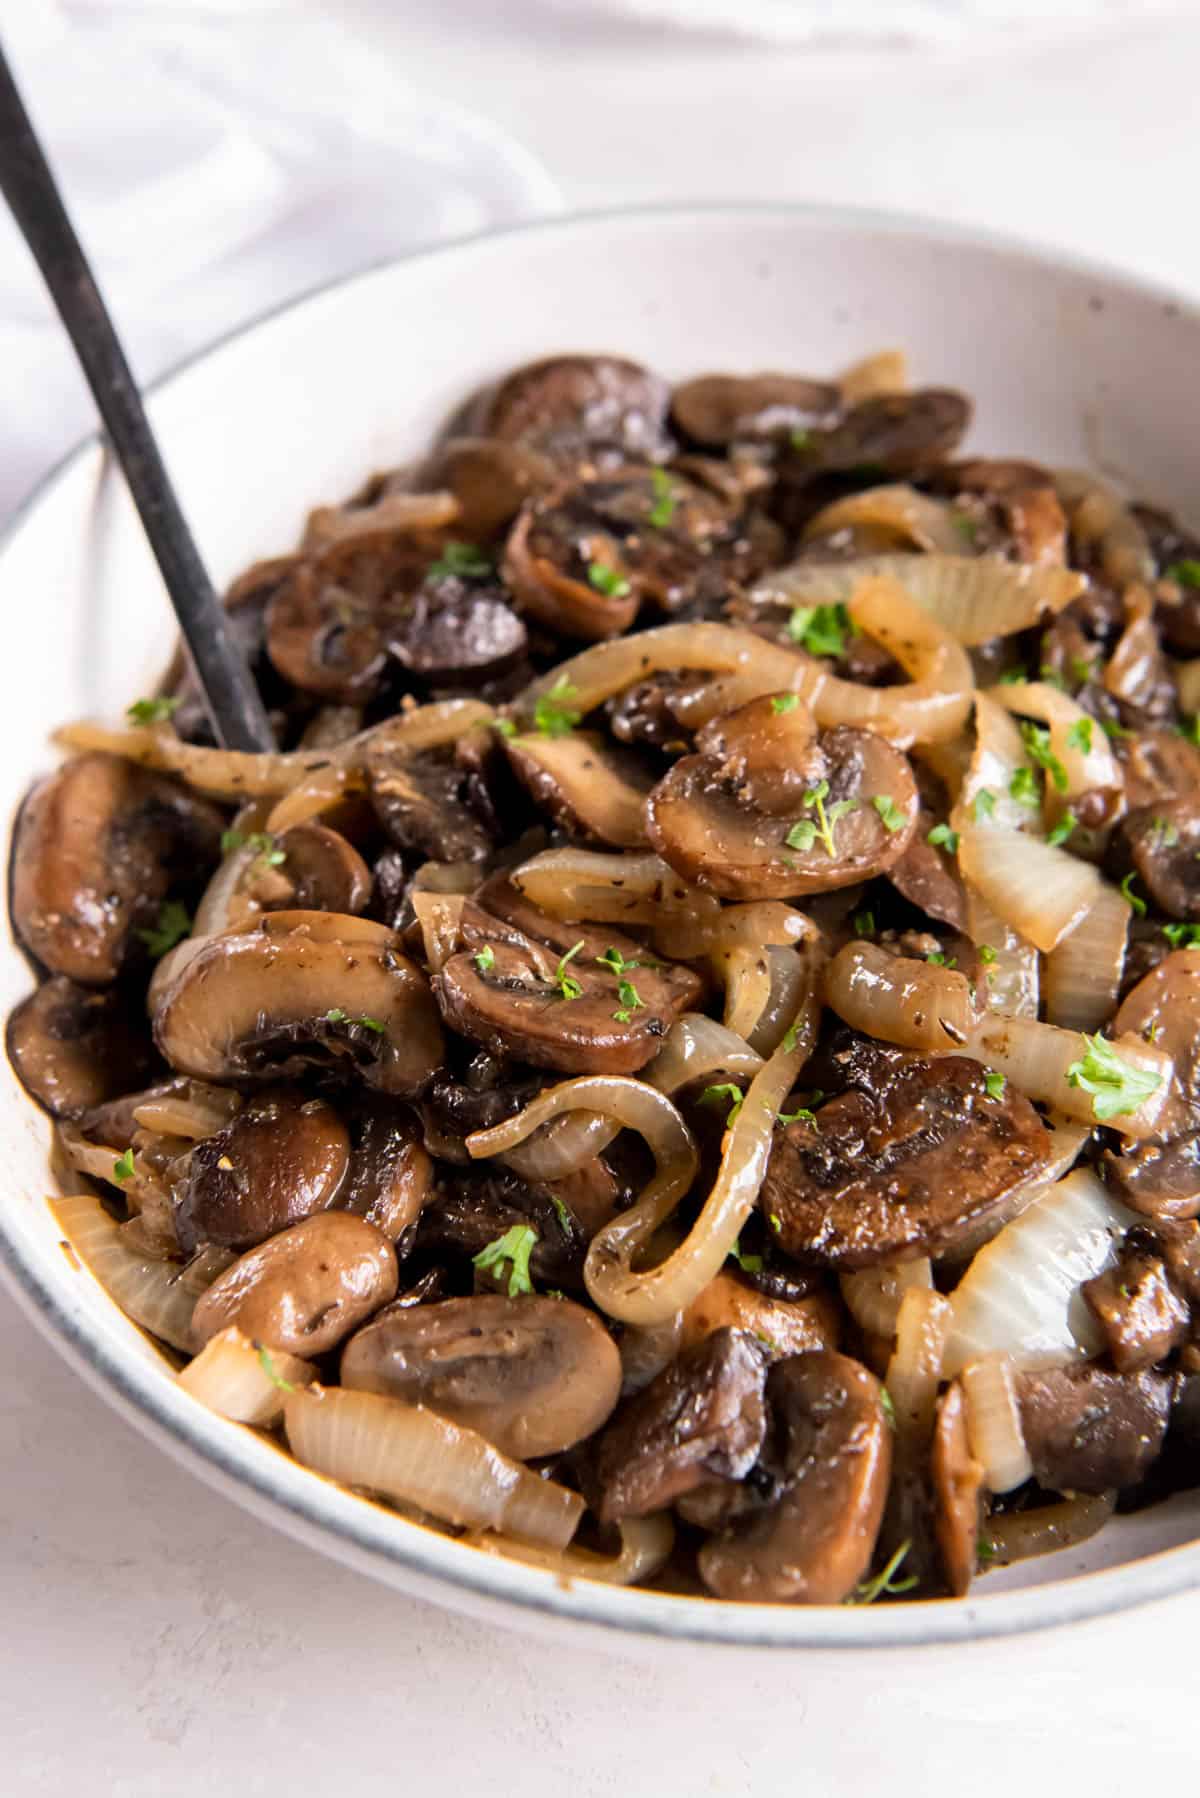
x,y
1164,1008
490,479
390,1177
782,1326
1159,765
957,1492
1163,841
831,1456
1170,544
590,789
590,597
1141,1314
927,873
649,711
324,637
72,1048
307,868
768,810
1088,1430
456,629
721,409
895,433
420,798
701,1418
97,848
600,408
305,1289
474,1207
281,1159
905,1162
556,995
534,1376
298,989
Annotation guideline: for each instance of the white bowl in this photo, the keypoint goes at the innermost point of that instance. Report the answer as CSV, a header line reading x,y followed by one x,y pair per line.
x,y
1067,363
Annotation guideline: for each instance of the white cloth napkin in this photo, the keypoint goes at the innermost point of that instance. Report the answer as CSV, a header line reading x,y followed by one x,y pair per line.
x,y
217,161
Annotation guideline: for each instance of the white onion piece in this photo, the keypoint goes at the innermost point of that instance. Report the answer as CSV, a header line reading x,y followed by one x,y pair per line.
x,y
788,975
885,371
998,754
1187,680
651,1295
746,974
994,1433
873,1295
606,668
1021,1294
949,761
1036,1058
923,1322
199,1112
752,925
230,1375
1083,975
149,1291
695,1047
912,518
935,702
1014,975
406,1452
223,901
584,885
1135,658
973,598
1038,889
899,999
1100,519
562,1146
440,917
646,1544
309,799
1087,770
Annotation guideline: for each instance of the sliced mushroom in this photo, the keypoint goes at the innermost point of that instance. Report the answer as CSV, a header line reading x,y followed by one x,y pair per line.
x,y
1141,1314
534,1376
297,989
307,868
701,1418
97,848
572,408
927,873
305,1289
1164,1008
905,1162
324,637
1088,1430
1163,842
490,479
457,629
957,1492
766,809
474,1207
590,789
503,991
282,1158
421,797
892,434
831,1456
390,1176
717,410
781,1326
577,602
72,1048
650,711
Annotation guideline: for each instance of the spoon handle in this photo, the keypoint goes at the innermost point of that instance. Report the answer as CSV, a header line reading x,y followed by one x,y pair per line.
x,y
233,701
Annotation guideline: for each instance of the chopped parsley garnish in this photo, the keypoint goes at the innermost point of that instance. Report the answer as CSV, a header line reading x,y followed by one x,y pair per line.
x,y
995,1084
784,702
790,1038
485,960
152,711
609,581
864,923
1014,677
939,960
337,1016
269,852
123,1168
893,818
1152,1032
799,437
725,1094
985,1551
662,511
802,1116
563,1215
804,834
1114,731
775,1221
273,1374
986,953
942,837
515,1247
867,1591
1186,572
461,559
554,714
172,926
1080,735
505,727
1036,739
1081,670
1182,936
749,1264
1127,892
966,527
889,1409
1023,787
984,804
1166,835
821,630
1117,1087
568,986
1050,677
1062,829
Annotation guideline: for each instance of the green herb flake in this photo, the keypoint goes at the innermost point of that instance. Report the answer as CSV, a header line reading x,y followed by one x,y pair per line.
x,y
821,630
1166,835
462,559
1014,677
485,960
1116,732
568,986
609,581
864,923
174,923
152,711
504,727
335,1015
1080,735
725,1094
802,1116
1023,787
565,1221
1081,670
966,527
1062,830
1185,572
986,954
775,1221
995,1084
790,1038
514,1247
270,855
749,1264
784,702
1134,899
663,509
889,1409
867,1591
1182,936
1036,739
1117,1087
1050,677
985,1551
801,836
123,1168
984,805
942,837
267,1363
938,960
893,818
799,437
554,713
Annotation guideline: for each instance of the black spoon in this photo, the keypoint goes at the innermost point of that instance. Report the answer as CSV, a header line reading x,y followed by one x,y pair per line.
x,y
232,699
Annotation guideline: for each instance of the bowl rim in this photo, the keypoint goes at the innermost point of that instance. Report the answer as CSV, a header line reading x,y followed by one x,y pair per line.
x,y
386,1546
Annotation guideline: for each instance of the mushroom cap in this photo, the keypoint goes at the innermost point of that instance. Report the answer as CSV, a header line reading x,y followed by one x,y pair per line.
x,y
490,479
957,1492
324,637
592,790
419,798
1165,1007
1089,1430
532,1375
97,847
73,1048
727,817
781,1326
1163,842
303,1289
717,410
833,1446
266,999
457,629
282,1158
898,433
905,1162
390,1177
571,407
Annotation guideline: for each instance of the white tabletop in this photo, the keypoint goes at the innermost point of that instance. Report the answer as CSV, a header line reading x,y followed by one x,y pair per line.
x,y
156,1642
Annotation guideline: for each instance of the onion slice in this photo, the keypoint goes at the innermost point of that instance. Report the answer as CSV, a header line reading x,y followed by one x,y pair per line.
x,y
408,1453
1041,891
151,1292
1101,520
1014,972
585,885
240,1381
697,1046
1037,1058
994,1432
885,371
1083,974
923,1323
986,796
1076,739
935,702
1021,1294
911,518
646,1544
899,999
873,1295
1020,1535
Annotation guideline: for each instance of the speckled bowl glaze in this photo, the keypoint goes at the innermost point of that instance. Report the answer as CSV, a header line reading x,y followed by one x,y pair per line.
x,y
1067,363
